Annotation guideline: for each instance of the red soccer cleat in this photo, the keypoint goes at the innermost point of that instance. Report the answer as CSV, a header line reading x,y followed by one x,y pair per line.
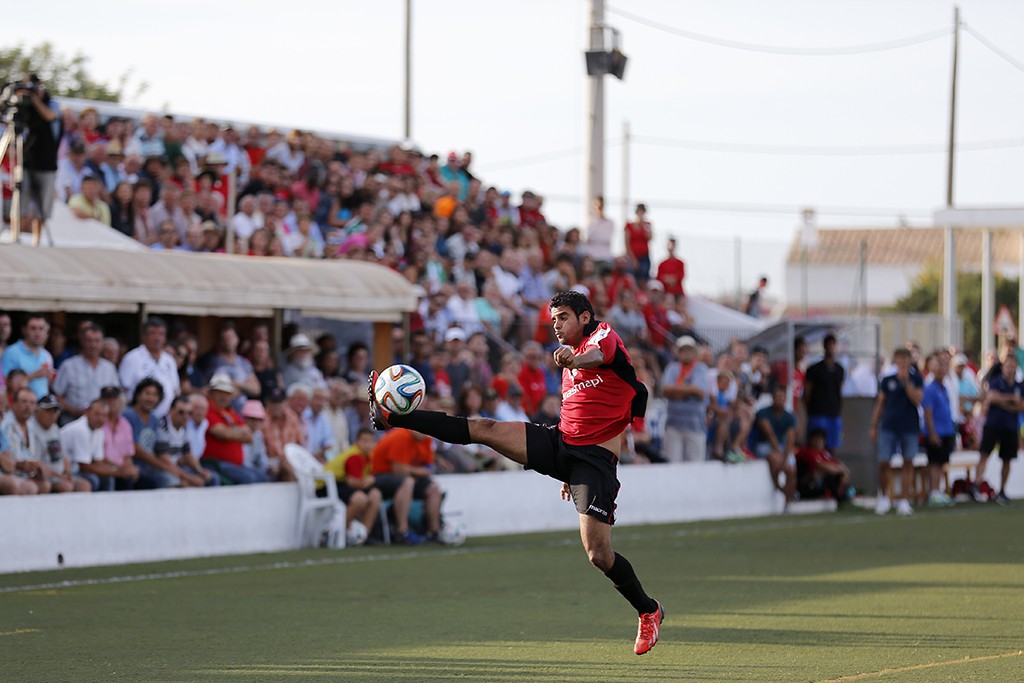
x,y
378,415
647,633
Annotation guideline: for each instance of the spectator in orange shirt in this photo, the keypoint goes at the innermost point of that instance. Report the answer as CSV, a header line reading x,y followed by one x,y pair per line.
x,y
409,453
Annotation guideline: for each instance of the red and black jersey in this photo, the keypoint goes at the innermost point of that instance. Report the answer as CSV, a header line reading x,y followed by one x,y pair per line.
x,y
599,403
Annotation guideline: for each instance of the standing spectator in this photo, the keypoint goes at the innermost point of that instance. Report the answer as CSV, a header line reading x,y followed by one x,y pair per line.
x,y
30,354
753,308
411,454
656,314
226,434
1003,398
172,444
672,271
823,395
899,395
775,441
44,440
43,132
599,235
149,359
685,383
638,245
940,429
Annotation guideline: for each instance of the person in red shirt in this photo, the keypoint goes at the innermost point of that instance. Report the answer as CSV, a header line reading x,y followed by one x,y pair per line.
x,y
600,397
672,271
532,377
638,244
656,315
226,434
411,454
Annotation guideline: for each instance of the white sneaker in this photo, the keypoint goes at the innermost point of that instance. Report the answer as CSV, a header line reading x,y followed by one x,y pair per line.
x,y
903,508
939,499
883,505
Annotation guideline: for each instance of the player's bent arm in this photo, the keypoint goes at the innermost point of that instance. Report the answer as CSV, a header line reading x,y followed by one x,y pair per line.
x,y
591,358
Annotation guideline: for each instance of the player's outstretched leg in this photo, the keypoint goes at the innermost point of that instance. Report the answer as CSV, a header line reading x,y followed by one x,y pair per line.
x,y
447,428
647,631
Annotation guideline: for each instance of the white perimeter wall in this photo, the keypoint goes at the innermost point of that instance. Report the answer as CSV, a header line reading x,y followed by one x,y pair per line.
x,y
144,526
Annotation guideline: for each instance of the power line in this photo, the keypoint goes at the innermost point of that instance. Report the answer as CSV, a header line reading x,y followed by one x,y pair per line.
x,y
774,209
992,46
815,150
780,50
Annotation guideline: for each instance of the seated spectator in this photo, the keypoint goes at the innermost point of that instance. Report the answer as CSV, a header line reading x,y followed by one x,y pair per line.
x,y
299,366
172,445
775,441
13,482
819,472
246,221
227,361
16,433
357,360
686,386
511,408
167,209
225,435
626,318
197,425
89,203
29,354
81,441
255,452
351,469
118,443
82,376
282,427
167,237
111,350
320,439
721,427
154,472
45,443
410,454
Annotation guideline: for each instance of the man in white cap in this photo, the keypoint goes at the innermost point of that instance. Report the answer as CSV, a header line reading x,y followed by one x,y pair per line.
x,y
685,383
299,366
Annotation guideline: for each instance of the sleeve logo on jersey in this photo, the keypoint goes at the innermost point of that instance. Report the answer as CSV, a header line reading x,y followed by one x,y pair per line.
x,y
595,339
580,386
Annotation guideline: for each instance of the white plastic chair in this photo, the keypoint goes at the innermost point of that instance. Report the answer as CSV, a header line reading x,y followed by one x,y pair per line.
x,y
314,512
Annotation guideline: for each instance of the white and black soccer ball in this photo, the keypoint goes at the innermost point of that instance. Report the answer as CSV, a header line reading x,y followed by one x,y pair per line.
x,y
399,389
356,533
453,533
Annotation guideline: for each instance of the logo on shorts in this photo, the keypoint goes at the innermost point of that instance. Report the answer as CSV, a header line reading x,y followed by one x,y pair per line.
x,y
597,509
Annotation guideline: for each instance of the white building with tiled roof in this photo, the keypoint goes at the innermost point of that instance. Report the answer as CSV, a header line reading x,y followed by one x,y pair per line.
x,y
851,267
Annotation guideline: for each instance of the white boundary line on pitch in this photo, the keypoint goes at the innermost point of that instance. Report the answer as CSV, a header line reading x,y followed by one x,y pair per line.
x,y
633,534
915,667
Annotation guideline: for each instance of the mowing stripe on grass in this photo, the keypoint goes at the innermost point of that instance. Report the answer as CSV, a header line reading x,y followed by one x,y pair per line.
x,y
633,534
915,667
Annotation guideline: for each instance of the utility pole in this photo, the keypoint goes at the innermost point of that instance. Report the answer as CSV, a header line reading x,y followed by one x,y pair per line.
x,y
625,173
949,246
595,114
407,130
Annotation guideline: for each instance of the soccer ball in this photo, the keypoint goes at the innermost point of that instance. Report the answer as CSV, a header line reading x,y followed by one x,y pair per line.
x,y
453,534
399,389
357,533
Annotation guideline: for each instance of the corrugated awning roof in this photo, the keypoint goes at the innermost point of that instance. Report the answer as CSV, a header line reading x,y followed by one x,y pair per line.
x,y
108,280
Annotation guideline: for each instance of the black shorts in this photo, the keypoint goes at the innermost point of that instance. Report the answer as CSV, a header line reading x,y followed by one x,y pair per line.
x,y
588,470
939,455
1006,439
345,492
389,484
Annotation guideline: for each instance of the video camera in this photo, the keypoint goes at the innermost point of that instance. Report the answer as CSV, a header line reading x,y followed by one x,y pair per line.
x,y
12,98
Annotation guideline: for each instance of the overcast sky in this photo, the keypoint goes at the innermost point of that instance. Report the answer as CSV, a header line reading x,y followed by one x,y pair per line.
x,y
721,135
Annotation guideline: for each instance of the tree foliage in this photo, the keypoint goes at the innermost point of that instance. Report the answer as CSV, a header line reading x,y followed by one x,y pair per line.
x,y
63,75
926,292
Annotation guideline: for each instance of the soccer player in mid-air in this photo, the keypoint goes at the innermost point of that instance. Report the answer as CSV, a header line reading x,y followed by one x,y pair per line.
x,y
600,397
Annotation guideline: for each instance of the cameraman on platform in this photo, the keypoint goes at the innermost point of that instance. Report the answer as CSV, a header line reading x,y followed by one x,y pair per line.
x,y
43,133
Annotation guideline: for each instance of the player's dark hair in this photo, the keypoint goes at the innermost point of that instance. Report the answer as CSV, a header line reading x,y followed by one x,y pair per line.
x,y
817,433
578,303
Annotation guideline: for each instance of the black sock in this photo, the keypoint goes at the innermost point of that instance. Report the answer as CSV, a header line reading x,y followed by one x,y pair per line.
x,y
626,582
436,424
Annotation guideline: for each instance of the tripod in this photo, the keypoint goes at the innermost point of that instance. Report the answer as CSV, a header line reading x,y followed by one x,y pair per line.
x,y
12,147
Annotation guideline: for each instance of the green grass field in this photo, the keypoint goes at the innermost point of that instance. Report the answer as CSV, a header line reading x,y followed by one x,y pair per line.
x,y
840,597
